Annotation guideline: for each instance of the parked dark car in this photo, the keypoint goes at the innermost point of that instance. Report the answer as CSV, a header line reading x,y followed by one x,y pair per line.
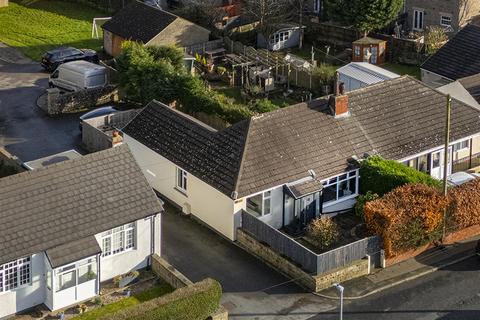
x,y
53,58
103,111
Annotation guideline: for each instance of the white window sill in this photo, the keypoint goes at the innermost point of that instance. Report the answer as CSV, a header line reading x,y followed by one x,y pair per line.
x,y
116,254
182,191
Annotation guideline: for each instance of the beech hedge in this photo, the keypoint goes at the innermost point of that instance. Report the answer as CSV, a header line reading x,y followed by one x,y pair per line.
x,y
194,302
380,176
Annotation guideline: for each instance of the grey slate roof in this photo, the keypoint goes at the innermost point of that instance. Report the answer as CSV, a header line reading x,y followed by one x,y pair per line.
x,y
472,85
73,251
71,200
396,118
139,21
459,57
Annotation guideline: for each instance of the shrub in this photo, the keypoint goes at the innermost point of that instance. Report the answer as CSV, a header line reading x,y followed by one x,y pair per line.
x,y
194,302
407,217
324,73
362,200
381,176
464,205
435,38
263,105
323,232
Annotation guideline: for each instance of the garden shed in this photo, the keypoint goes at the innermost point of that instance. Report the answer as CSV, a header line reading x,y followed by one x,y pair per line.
x,y
370,50
357,75
287,35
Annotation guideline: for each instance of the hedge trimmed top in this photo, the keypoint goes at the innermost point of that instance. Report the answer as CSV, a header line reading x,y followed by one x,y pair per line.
x,y
381,176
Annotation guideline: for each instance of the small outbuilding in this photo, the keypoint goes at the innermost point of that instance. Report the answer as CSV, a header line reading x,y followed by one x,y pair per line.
x,y
151,26
287,35
357,75
370,50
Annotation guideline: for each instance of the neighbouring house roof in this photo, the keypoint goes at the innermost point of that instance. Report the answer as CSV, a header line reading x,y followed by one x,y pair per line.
x,y
457,90
459,57
73,251
139,21
396,118
366,72
53,208
472,85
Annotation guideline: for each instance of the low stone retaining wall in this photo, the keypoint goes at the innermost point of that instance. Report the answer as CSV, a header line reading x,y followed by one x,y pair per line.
x,y
71,102
167,272
313,283
451,238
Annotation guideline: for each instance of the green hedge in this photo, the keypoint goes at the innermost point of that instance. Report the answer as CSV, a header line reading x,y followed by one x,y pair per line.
x,y
195,302
381,176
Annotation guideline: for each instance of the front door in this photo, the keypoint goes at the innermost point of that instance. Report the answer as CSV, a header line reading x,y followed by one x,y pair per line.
x,y
308,208
437,164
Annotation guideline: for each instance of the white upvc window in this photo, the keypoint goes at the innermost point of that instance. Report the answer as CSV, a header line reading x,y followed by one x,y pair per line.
x,y
260,204
446,20
418,17
278,37
75,274
118,240
340,187
462,145
316,6
15,274
181,182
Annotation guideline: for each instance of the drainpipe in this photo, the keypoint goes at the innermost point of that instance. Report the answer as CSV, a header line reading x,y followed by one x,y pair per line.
x,y
98,273
283,206
471,151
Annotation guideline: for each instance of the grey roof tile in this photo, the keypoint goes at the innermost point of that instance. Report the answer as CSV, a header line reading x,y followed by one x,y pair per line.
x,y
53,206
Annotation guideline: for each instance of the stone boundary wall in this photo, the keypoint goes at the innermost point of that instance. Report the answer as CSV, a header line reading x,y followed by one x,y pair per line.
x,y
451,238
167,272
71,102
176,279
312,283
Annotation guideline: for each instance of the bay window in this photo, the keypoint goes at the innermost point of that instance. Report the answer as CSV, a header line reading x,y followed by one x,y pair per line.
x,y
15,274
118,239
342,186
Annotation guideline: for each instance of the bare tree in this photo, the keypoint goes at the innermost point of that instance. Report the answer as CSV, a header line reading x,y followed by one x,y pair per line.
x,y
469,9
267,13
299,9
206,13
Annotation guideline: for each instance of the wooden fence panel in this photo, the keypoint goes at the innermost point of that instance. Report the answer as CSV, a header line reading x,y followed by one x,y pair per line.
x,y
280,242
307,259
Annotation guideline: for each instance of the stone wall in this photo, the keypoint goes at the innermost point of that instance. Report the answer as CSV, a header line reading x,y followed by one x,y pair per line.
x,y
71,102
285,266
167,272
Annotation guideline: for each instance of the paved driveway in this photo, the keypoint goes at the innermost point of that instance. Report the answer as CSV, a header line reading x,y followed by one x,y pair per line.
x,y
25,130
252,290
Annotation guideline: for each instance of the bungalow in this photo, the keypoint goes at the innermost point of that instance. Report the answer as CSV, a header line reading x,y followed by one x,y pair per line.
x,y
458,58
150,26
69,226
296,162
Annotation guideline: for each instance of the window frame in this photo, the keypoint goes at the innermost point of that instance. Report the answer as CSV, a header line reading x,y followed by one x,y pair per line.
x,y
416,19
266,196
18,264
181,179
74,267
122,232
449,17
337,181
463,145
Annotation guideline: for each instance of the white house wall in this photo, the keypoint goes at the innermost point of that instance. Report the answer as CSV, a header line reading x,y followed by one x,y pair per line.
x,y
27,296
434,80
137,258
201,200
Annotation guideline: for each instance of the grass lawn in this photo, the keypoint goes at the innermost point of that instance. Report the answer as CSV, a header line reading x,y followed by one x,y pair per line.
x,y
150,294
403,69
36,26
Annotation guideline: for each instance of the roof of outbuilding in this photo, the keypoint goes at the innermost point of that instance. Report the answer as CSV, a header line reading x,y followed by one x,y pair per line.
x,y
73,251
68,201
366,72
459,57
139,21
395,118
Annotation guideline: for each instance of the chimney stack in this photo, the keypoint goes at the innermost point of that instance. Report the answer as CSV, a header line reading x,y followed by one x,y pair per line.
x,y
339,100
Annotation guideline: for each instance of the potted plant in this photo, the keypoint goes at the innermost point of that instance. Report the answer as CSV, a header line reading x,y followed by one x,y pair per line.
x,y
81,308
117,280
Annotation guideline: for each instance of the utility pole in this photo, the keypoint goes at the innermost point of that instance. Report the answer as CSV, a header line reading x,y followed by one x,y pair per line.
x,y
446,157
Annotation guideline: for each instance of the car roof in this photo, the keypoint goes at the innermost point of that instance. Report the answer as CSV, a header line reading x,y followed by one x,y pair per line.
x,y
56,50
96,111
